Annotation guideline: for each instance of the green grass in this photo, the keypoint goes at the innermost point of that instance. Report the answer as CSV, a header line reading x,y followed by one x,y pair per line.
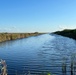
x,y
68,33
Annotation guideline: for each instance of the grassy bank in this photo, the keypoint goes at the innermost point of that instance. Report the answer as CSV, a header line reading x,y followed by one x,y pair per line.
x,y
71,33
14,36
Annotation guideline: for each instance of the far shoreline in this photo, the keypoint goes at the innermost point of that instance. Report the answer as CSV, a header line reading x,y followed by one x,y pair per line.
x,y
14,36
71,33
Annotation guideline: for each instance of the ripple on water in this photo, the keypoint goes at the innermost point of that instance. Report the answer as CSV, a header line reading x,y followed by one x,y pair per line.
x,y
39,54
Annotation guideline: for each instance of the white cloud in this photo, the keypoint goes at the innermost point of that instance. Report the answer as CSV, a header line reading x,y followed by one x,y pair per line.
x,y
9,29
62,27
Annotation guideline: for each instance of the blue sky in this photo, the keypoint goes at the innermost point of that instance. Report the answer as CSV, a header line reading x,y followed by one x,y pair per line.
x,y
37,15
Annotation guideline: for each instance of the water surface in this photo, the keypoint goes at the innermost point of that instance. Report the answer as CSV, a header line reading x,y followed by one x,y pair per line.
x,y
38,54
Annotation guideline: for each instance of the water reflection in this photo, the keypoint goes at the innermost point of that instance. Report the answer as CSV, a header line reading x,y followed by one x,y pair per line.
x,y
39,54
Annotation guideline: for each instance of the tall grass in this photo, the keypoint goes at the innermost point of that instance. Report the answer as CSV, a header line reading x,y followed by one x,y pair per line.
x,y
13,36
3,67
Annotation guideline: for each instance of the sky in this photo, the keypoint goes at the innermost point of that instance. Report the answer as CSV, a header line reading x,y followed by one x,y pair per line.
x,y
37,15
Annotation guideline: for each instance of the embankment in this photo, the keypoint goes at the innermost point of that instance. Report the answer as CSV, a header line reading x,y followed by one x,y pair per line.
x,y
71,33
14,36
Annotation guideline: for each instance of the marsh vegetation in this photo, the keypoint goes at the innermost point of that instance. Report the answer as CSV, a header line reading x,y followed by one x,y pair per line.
x,y
13,36
68,33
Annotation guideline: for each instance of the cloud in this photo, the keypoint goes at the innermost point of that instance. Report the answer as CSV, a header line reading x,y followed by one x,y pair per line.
x,y
9,29
13,27
62,27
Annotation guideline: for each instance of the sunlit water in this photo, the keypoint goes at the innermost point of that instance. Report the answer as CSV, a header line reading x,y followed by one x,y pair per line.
x,y
38,54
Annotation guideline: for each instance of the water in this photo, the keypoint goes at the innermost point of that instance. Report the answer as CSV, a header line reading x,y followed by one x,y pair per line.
x,y
38,54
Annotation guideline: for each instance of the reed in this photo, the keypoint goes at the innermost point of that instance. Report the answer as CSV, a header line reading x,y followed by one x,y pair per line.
x,y
3,67
64,66
14,36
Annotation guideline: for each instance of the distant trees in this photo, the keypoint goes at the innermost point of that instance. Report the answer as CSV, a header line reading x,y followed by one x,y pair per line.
x,y
36,32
